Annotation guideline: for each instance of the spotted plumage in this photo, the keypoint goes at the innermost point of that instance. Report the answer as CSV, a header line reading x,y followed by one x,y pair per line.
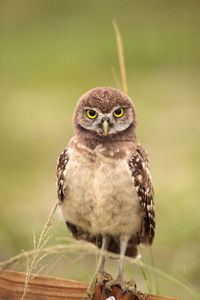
x,y
103,181
138,165
61,165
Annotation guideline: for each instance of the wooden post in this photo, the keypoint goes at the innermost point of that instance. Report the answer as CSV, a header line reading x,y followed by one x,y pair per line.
x,y
50,288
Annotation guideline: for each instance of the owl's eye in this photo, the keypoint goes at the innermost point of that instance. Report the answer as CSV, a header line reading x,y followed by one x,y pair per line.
x,y
118,113
91,114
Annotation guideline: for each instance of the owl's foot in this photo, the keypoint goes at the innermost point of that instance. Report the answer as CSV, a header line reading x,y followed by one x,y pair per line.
x,y
132,289
115,282
129,286
100,278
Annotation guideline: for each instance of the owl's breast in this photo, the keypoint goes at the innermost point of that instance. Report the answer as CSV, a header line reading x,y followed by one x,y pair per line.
x,y
100,195
117,206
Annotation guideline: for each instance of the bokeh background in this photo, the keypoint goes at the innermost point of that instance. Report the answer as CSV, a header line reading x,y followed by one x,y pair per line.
x,y
51,52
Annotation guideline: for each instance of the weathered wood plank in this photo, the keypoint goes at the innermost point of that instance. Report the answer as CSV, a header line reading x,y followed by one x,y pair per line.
x,y
50,288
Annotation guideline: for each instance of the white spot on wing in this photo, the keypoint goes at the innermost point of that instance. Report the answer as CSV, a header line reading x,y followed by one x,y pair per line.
x,y
139,177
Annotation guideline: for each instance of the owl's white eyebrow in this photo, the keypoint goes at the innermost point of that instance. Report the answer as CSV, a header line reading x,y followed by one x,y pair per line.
x,y
123,106
87,107
92,108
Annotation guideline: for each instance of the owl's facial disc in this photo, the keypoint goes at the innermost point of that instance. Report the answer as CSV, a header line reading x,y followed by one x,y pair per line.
x,y
104,113
108,123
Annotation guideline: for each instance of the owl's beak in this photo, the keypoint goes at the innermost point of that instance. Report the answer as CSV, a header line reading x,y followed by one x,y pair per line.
x,y
105,127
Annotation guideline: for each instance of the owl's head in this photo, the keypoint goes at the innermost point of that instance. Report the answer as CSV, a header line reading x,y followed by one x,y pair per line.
x,y
104,113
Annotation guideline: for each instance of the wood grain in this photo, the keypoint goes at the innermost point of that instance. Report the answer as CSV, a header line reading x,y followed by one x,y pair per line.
x,y
50,288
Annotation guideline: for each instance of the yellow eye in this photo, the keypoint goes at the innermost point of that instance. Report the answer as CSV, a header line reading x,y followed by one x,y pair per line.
x,y
118,113
91,114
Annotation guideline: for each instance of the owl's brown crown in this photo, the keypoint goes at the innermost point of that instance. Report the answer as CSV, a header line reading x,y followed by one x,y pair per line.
x,y
105,98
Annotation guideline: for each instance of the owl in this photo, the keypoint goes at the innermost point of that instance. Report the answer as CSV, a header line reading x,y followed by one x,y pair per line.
x,y
104,186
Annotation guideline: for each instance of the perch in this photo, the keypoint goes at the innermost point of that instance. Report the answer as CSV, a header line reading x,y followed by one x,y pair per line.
x,y
50,288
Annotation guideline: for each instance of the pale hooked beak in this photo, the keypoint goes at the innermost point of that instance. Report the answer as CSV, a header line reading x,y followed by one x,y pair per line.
x,y
105,127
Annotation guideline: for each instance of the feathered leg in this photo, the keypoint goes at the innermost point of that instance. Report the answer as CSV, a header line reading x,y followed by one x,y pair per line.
x,y
100,274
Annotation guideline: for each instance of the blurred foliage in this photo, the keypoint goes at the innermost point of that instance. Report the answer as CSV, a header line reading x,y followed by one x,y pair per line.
x,y
51,52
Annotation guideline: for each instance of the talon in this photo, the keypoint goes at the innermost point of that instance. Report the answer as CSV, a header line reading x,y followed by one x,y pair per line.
x,y
132,284
91,288
106,277
131,288
115,283
99,279
107,291
141,296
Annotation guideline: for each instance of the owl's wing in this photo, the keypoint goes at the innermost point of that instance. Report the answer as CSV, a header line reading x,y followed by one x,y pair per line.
x,y
138,165
76,231
60,173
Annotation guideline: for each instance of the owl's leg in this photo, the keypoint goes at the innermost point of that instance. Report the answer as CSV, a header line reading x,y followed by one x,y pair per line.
x,y
129,286
119,281
100,274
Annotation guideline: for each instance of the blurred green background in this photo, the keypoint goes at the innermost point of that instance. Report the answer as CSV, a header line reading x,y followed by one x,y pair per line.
x,y
51,52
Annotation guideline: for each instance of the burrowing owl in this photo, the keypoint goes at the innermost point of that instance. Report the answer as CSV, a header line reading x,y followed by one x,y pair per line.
x,y
104,185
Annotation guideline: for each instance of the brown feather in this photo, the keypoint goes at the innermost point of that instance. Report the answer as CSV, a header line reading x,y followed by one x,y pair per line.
x,y
138,165
61,165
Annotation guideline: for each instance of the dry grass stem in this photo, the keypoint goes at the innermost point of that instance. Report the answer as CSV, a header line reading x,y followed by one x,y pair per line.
x,y
121,57
36,256
50,250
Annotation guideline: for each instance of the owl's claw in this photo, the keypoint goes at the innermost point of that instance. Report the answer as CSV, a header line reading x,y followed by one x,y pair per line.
x,y
127,287
103,278
100,278
117,282
139,295
91,288
131,288
107,291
